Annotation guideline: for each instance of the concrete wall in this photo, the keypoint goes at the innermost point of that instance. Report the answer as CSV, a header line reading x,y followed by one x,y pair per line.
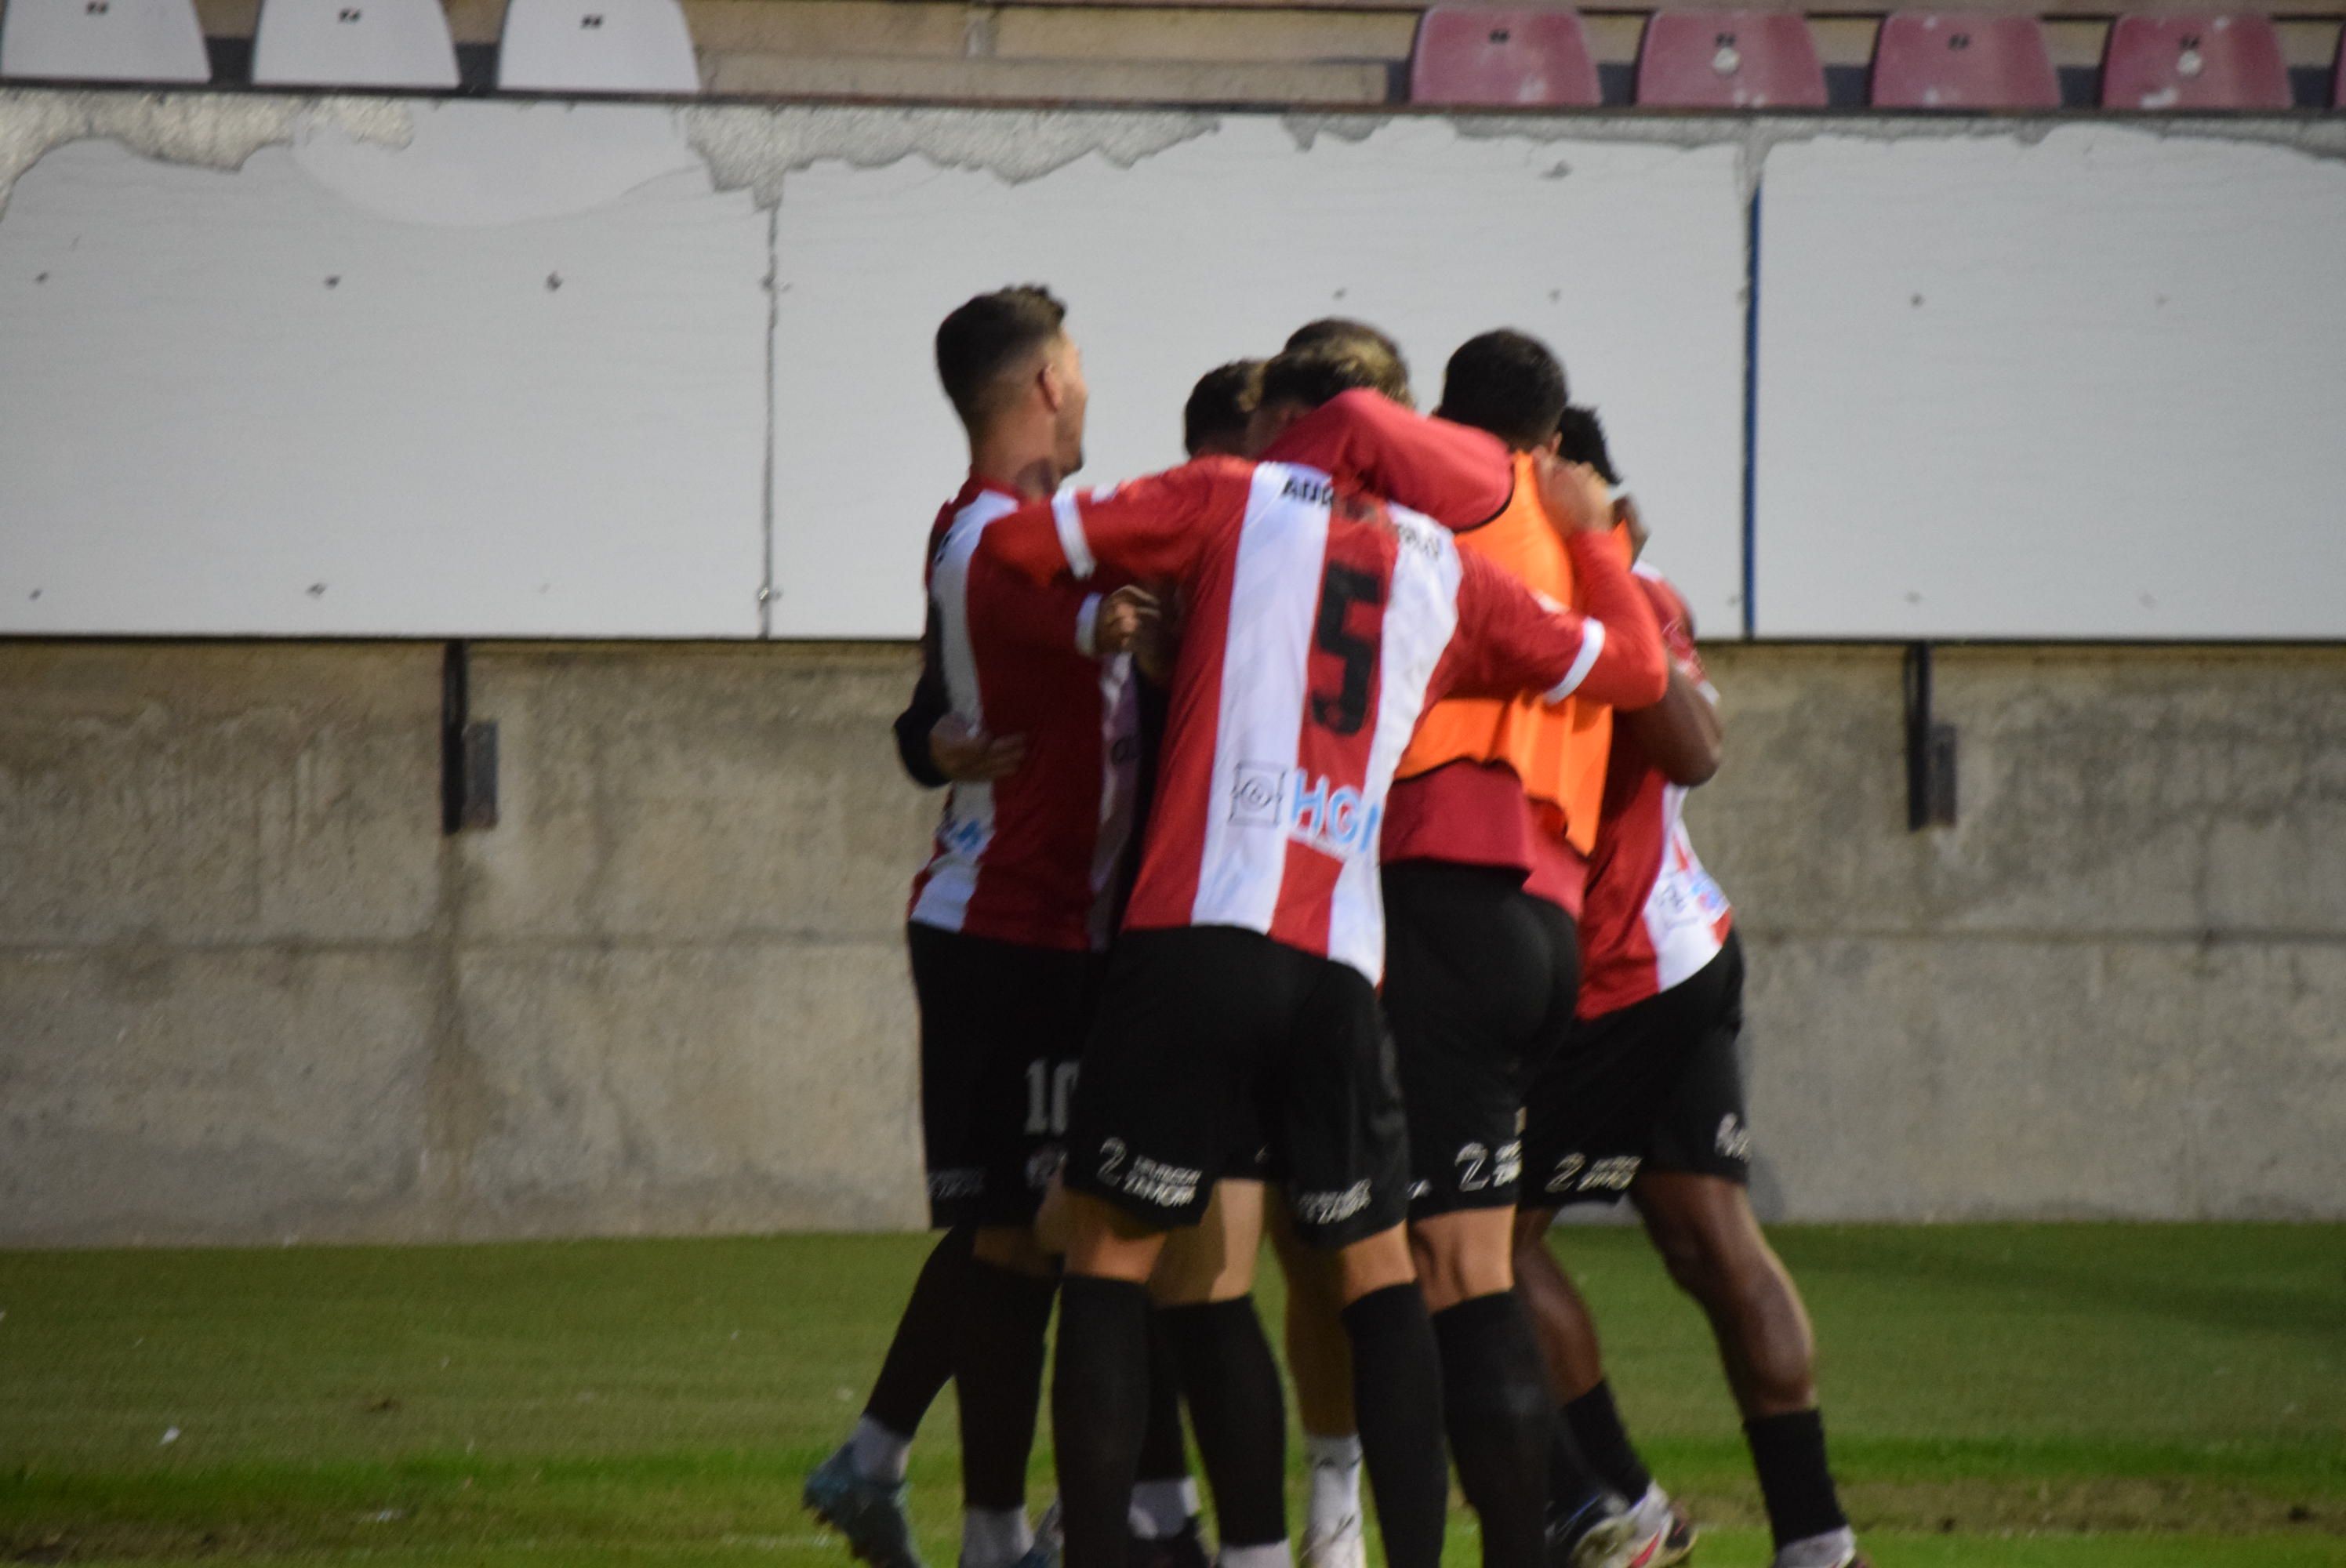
x,y
249,992
2116,987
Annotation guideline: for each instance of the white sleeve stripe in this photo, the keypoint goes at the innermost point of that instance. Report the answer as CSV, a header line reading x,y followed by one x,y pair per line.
x,y
1087,627
1078,549
1592,643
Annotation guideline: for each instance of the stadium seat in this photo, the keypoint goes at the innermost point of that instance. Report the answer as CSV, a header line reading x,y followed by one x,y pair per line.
x,y
1468,54
1963,60
102,41
2201,62
596,46
1730,59
354,44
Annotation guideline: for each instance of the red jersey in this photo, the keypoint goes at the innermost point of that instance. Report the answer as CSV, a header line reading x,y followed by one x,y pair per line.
x,y
1476,814
1032,857
1320,622
1653,915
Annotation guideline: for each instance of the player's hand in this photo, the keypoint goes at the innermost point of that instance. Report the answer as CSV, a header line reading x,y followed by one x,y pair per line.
x,y
967,755
1126,617
1577,500
1142,626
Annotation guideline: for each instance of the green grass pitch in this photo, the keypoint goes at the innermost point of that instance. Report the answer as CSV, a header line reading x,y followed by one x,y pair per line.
x,y
2005,1397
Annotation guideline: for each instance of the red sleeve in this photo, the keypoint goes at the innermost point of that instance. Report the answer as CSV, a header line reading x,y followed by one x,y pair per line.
x,y
1459,477
1055,616
1150,529
1510,639
1677,629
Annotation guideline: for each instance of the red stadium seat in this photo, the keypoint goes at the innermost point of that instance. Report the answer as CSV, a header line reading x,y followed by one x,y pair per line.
x,y
2200,62
1963,60
1730,59
1472,55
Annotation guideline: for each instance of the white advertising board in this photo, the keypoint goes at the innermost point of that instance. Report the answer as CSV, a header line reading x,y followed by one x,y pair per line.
x,y
1628,258
507,378
2086,385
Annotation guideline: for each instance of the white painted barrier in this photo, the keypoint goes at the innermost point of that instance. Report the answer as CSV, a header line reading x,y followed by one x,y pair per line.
x,y
366,367
2082,384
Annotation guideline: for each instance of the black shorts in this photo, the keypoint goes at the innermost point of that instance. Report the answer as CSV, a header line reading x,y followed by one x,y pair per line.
x,y
1655,1085
1480,978
1002,1025
1213,1041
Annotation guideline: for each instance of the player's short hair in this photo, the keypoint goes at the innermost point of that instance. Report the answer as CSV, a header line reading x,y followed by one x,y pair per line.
x,y
1221,404
1374,347
1506,383
1584,442
1312,375
988,336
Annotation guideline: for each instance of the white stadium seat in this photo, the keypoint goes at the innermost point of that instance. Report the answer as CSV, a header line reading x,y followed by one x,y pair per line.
x,y
103,41
596,46
354,44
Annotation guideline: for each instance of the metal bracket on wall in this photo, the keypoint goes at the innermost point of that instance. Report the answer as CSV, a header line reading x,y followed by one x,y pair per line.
x,y
1930,750
468,750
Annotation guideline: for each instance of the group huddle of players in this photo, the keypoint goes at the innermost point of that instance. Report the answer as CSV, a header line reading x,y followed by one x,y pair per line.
x,y
1312,864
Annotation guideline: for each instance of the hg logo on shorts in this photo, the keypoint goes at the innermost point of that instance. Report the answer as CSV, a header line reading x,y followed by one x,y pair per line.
x,y
1327,815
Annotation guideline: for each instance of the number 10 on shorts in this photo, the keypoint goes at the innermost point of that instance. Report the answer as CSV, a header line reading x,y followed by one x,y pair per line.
x,y
1049,1092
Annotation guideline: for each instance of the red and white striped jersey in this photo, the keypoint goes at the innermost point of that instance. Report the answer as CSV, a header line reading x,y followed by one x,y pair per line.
x,y
1320,623
1652,917
1032,857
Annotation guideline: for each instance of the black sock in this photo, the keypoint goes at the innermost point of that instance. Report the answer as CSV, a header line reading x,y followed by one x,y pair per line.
x,y
1789,1451
919,1359
1578,1497
1396,1390
1232,1386
1604,1441
1099,1405
1495,1404
1163,1454
999,1369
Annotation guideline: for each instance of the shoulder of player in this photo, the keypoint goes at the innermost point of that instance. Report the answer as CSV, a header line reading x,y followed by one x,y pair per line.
x,y
1666,599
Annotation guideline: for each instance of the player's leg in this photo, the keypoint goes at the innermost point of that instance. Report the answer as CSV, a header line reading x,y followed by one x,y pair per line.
x,y
1590,1114
1693,1193
919,1363
1203,1288
1588,1426
1320,1360
1469,979
859,1491
1099,1391
1180,1020
1005,1313
1033,1007
1346,1150
1168,1531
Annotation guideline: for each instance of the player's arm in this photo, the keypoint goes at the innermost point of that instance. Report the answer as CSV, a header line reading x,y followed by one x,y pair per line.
x,y
1459,477
1145,529
1051,617
929,704
1681,735
938,747
1511,639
